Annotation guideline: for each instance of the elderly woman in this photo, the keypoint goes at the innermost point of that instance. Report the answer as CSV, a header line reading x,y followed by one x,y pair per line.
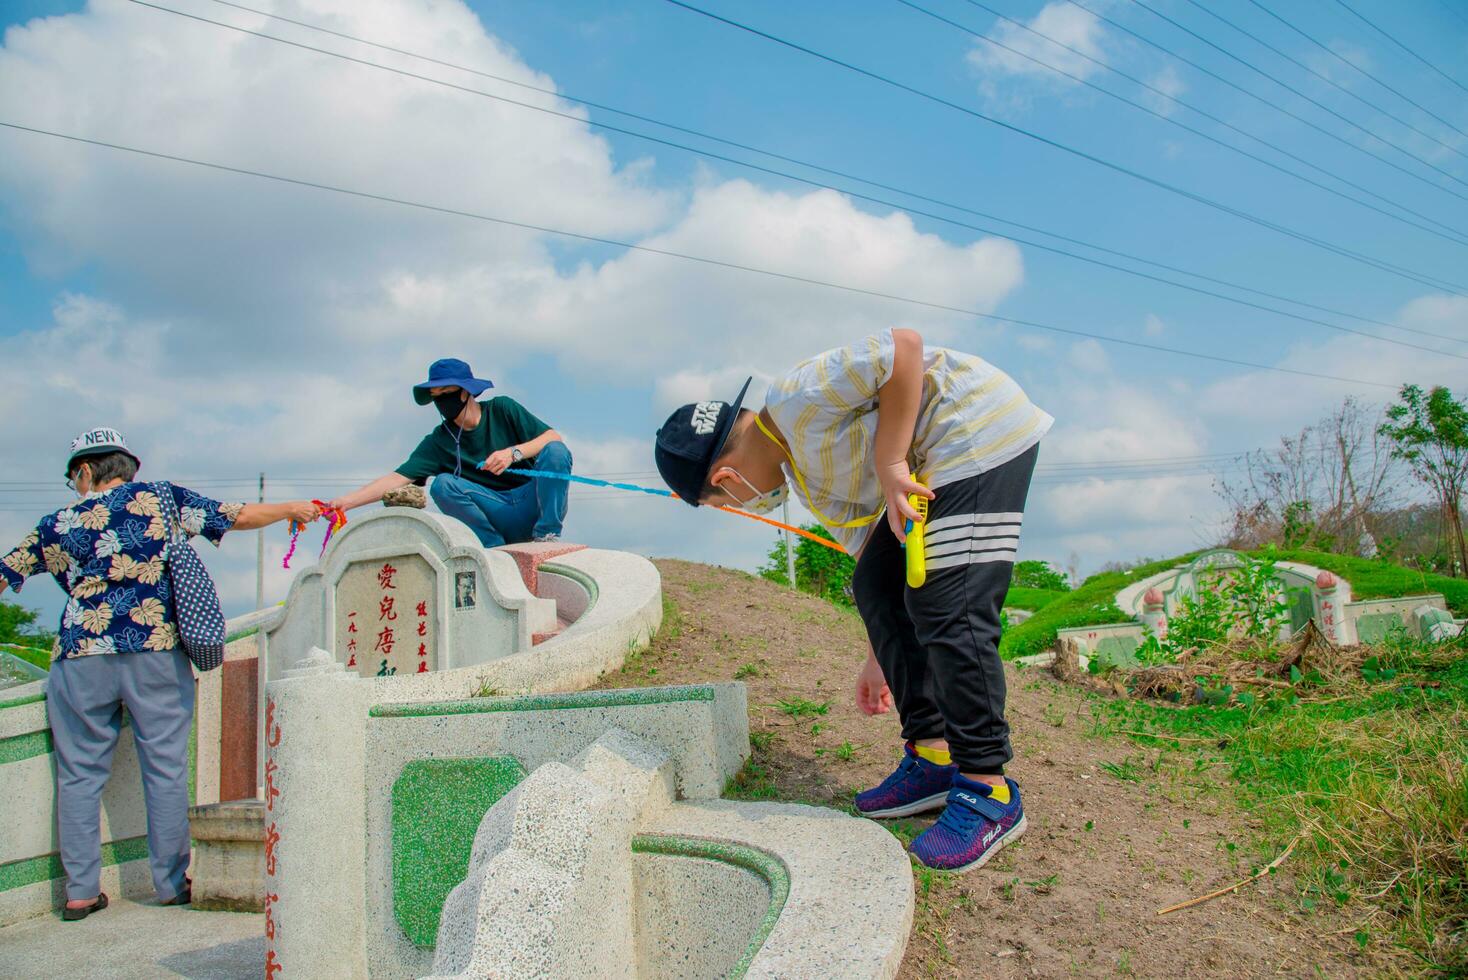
x,y
118,646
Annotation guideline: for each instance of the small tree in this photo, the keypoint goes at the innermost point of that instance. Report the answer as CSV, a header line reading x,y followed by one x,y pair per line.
x,y
1429,432
17,626
1039,575
819,570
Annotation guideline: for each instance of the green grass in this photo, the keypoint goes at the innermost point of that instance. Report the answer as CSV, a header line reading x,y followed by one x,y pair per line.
x,y
1092,603
1368,774
798,707
1034,600
35,656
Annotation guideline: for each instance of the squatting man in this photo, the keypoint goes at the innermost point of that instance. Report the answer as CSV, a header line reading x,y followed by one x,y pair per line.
x,y
472,455
858,429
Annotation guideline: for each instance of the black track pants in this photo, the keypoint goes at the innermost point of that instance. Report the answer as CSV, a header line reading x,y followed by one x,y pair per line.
x,y
939,644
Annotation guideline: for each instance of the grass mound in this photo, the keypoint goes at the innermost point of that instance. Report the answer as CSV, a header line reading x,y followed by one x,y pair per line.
x,y
1092,603
1034,600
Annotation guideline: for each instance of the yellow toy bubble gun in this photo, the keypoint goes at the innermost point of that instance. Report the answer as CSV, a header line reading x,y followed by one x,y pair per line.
x,y
917,561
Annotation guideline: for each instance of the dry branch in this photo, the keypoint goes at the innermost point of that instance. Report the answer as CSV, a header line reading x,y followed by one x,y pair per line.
x,y
1235,886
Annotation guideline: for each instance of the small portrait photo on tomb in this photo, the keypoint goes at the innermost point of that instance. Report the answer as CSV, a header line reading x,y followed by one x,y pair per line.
x,y
465,590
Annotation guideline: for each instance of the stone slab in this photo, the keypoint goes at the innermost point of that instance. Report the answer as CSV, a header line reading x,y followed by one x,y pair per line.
x,y
531,555
229,856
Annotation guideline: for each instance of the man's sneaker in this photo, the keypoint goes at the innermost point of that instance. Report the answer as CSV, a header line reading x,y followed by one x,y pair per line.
x,y
547,538
916,787
973,828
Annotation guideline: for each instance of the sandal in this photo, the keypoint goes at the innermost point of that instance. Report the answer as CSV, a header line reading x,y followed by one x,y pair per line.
x,y
184,897
76,915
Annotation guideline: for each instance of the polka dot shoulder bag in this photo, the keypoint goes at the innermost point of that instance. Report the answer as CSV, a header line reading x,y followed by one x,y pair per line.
x,y
196,609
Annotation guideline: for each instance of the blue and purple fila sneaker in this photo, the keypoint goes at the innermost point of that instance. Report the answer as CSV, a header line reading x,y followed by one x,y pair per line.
x,y
917,786
973,828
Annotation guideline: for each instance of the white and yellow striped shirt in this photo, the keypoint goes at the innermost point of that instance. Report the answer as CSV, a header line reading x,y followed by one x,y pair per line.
x,y
972,418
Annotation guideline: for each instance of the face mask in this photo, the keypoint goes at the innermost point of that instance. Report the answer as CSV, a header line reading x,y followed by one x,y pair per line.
x,y
449,405
761,503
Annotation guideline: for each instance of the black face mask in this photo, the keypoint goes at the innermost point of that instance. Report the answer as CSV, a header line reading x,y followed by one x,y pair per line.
x,y
449,405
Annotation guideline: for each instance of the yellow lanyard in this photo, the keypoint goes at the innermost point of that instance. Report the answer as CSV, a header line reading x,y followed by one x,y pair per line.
x,y
810,503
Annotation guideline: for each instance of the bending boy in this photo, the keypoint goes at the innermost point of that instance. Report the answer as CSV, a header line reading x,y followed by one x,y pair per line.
x,y
858,429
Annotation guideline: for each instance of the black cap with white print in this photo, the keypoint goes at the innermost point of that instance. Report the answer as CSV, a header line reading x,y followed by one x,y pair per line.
x,y
690,441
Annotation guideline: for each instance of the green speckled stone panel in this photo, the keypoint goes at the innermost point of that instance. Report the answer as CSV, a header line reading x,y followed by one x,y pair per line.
x,y
437,805
546,702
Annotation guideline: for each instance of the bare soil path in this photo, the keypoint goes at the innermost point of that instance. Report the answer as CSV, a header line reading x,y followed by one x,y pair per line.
x,y
1116,831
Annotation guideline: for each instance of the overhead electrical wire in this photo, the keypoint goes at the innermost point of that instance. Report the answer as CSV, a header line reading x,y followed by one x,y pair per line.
x,y
802,163
1452,234
1324,77
1262,100
887,203
1358,69
1362,18
1064,148
684,256
1308,98
1163,94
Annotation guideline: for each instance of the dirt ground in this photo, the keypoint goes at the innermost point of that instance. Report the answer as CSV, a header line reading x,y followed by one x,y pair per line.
x,y
1116,831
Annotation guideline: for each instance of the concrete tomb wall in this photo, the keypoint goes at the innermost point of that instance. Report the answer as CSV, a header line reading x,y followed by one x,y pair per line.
x,y
31,879
553,835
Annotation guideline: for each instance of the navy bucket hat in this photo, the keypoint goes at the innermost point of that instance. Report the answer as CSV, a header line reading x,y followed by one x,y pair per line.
x,y
446,372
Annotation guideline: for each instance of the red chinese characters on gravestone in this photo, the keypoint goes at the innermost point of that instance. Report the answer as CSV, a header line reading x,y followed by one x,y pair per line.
x,y
270,791
384,613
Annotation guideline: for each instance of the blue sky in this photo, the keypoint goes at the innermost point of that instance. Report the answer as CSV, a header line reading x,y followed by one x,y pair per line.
x,y
232,326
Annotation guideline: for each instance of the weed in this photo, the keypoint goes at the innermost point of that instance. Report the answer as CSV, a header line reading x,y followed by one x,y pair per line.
x,y
748,670
486,690
846,752
752,782
816,729
1125,771
761,741
798,707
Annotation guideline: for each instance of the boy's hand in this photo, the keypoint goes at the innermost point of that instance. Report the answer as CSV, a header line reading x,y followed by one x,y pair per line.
x,y
897,483
873,696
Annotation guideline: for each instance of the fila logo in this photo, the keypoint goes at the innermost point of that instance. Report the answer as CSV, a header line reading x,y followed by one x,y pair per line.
x,y
990,835
968,799
706,417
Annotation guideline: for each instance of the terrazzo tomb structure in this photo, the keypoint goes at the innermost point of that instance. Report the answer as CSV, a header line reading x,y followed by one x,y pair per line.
x,y
1310,594
557,835
412,602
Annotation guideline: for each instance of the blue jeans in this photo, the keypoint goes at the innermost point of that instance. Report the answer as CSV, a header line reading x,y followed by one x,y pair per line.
x,y
509,516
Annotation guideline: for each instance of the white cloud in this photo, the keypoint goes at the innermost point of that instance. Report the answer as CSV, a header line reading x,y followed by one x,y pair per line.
x,y
1168,82
233,325
1153,326
1063,22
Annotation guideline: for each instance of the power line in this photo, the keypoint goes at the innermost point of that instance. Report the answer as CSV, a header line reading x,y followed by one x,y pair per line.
x,y
702,260
1055,144
1454,237
1322,76
1313,101
1362,71
817,167
990,231
1359,16
1262,100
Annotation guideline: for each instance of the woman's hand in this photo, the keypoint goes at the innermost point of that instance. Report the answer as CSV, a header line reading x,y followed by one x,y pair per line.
x,y
301,511
897,483
873,696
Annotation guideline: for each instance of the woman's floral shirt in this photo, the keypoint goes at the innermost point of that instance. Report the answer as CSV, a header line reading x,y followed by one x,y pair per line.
x,y
107,552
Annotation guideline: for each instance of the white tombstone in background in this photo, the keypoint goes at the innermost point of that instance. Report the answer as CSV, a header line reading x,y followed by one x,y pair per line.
x,y
402,591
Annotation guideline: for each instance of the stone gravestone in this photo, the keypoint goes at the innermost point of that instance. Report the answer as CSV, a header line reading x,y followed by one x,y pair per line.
x,y
402,592
387,616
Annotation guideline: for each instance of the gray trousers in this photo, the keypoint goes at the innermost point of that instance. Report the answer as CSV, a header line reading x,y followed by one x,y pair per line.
x,y
84,701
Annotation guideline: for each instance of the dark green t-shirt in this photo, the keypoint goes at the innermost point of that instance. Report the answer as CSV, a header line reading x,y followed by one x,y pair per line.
x,y
503,422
